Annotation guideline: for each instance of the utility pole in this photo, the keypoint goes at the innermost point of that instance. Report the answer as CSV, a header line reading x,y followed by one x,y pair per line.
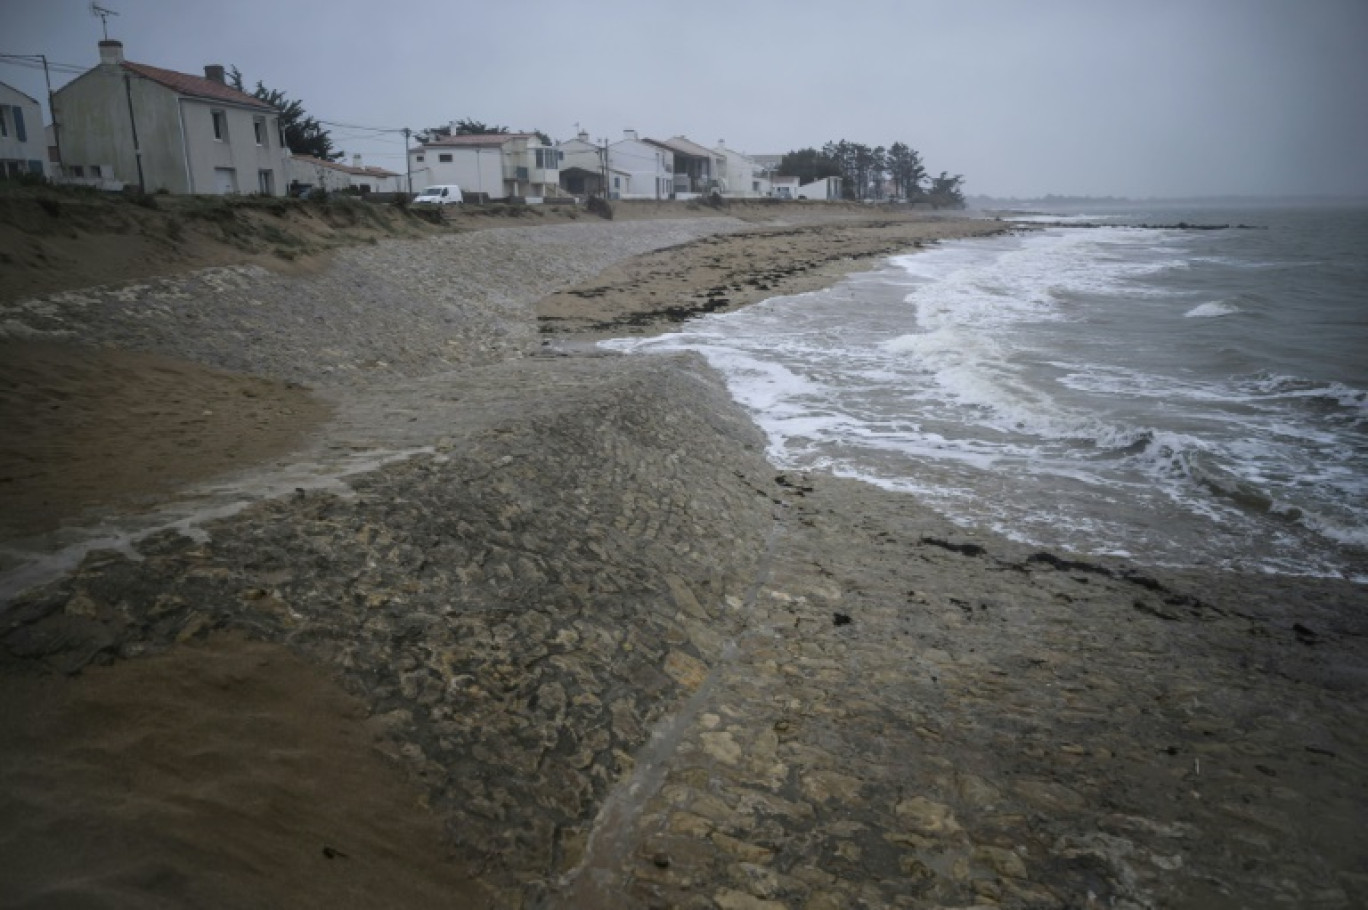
x,y
408,160
133,123
52,109
603,170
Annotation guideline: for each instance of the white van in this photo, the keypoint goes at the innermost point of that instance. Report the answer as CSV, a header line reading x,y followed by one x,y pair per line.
x,y
446,194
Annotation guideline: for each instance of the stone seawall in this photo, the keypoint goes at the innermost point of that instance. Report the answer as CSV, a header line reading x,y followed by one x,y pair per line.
x,y
517,608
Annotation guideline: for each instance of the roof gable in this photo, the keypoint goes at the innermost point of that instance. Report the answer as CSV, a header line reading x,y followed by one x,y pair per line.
x,y
7,87
367,171
681,146
195,86
320,162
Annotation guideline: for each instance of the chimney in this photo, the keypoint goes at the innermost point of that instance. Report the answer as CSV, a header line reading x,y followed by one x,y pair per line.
x,y
629,134
111,52
214,73
721,143
356,161
583,136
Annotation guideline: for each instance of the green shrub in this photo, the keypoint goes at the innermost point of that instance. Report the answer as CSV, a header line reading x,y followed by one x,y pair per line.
x,y
599,206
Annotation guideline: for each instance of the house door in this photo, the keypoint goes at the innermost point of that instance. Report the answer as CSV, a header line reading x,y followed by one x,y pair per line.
x,y
225,180
266,183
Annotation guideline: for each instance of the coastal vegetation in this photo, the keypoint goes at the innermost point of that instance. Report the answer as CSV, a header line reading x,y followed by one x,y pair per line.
x,y
304,135
878,173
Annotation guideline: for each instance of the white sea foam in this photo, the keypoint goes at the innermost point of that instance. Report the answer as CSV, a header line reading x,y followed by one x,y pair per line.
x,y
1041,385
1212,309
1046,218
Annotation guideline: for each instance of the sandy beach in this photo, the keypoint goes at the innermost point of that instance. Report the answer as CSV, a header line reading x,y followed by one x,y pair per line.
x,y
371,582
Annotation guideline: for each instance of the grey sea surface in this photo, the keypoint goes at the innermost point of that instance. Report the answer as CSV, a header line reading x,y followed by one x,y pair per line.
x,y
1116,383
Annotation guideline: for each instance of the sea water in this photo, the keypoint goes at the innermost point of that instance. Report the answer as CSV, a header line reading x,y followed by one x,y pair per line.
x,y
1180,397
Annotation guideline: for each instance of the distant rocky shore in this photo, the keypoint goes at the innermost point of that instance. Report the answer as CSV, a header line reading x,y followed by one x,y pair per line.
x,y
623,660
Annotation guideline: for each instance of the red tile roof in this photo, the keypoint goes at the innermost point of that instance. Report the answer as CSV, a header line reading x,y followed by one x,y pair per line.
x,y
369,170
310,159
195,86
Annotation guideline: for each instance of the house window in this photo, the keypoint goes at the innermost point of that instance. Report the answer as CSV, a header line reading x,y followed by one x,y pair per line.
x,y
4,121
95,171
418,158
259,128
77,171
444,159
549,159
220,125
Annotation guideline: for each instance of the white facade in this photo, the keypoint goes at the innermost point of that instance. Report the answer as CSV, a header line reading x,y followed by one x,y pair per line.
x,y
826,189
336,177
23,149
636,170
649,168
498,165
318,174
581,166
784,187
374,179
741,177
695,168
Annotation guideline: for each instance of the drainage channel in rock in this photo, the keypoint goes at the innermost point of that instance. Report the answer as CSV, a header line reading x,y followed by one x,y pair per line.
x,y
598,880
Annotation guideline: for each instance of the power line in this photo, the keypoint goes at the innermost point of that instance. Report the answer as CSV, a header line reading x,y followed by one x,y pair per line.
x,y
353,126
33,62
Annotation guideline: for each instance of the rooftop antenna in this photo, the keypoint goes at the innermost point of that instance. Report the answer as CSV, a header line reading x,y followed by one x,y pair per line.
x,y
104,14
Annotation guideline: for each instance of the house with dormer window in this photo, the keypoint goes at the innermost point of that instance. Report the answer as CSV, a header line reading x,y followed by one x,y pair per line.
x,y
164,130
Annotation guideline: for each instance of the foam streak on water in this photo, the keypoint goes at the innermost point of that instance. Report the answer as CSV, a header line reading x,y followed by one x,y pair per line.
x,y
1181,397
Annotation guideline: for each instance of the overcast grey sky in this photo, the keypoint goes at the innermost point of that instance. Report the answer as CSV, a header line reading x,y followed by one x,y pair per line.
x,y
1022,97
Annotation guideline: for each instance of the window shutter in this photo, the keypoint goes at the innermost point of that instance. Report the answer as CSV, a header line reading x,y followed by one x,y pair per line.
x,y
19,124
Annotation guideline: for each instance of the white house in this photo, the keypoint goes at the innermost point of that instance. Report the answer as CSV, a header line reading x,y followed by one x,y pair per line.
x,y
336,177
740,175
582,166
500,165
783,187
161,129
316,173
636,169
372,179
695,167
827,189
649,168
23,149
